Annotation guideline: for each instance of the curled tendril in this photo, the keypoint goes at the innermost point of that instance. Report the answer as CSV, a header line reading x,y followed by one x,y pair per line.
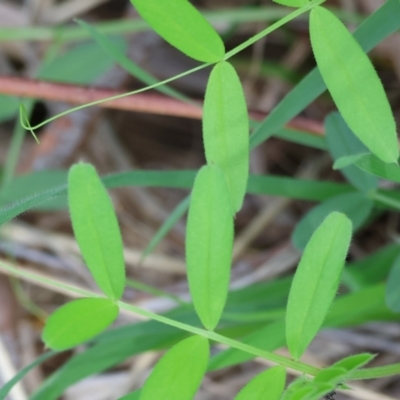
x,y
24,120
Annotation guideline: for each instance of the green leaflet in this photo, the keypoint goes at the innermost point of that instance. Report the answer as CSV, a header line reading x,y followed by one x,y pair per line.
x,y
316,281
393,287
355,205
180,24
96,229
177,376
292,3
373,30
353,362
131,396
226,129
267,385
209,241
341,143
78,321
375,166
354,84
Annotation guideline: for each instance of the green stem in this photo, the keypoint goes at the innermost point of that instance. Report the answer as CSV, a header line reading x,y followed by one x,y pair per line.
x,y
273,27
35,278
366,373
25,123
381,198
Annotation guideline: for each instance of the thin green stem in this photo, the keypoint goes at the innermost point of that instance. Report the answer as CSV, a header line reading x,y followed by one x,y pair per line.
x,y
35,278
366,373
273,27
154,291
26,125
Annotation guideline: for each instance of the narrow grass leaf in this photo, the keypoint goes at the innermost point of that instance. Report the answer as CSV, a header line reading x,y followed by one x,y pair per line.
x,y
48,194
78,321
7,387
341,143
226,129
209,241
96,229
355,205
181,25
393,287
269,338
172,219
118,56
177,376
316,281
354,84
267,385
375,166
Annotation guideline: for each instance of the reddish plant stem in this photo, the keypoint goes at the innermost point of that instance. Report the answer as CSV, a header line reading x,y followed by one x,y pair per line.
x,y
152,103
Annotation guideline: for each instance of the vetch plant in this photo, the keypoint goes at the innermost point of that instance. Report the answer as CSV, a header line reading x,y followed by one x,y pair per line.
x,y
361,139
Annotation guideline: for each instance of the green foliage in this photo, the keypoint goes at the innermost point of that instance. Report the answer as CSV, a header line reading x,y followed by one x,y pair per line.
x,y
343,143
178,374
96,229
209,241
180,24
226,129
316,281
353,84
77,322
251,321
267,385
356,206
393,287
292,3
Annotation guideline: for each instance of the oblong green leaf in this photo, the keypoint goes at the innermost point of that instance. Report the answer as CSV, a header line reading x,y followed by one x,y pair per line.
x,y
78,321
96,229
353,362
356,206
177,376
292,3
226,129
267,385
316,281
393,287
354,84
209,241
181,25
